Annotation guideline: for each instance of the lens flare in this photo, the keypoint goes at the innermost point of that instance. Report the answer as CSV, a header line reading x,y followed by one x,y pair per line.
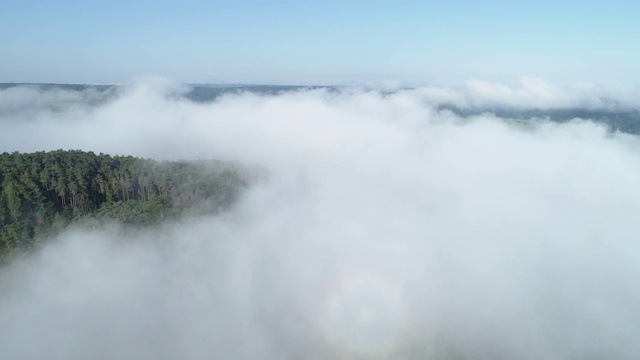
x,y
364,315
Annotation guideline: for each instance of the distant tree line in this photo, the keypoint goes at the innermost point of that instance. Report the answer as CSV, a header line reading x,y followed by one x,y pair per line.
x,y
43,192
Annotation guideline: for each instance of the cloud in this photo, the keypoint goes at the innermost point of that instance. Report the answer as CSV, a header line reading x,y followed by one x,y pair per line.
x,y
531,93
28,101
385,228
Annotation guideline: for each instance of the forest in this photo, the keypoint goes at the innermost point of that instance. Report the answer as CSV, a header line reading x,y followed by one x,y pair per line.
x,y
42,193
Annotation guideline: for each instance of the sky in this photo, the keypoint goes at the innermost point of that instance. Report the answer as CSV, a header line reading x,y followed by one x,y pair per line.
x,y
320,42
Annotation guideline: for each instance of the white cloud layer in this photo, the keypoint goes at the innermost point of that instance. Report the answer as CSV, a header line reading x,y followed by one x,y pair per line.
x,y
384,229
533,93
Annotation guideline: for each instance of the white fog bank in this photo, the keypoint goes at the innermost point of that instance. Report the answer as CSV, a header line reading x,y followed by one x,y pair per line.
x,y
384,229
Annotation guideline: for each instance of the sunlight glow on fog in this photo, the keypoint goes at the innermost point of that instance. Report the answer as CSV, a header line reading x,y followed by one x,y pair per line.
x,y
365,315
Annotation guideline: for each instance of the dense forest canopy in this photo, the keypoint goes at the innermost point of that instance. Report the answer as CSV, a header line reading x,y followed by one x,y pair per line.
x,y
43,192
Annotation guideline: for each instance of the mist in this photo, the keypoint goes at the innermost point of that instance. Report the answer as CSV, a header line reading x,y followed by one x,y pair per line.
x,y
384,227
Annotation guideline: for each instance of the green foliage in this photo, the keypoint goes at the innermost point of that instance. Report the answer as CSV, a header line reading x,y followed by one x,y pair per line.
x,y
42,193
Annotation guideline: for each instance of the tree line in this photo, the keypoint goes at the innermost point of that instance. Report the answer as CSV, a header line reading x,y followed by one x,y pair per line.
x,y
41,193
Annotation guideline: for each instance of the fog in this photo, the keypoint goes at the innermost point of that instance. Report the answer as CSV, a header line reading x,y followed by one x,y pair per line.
x,y
383,228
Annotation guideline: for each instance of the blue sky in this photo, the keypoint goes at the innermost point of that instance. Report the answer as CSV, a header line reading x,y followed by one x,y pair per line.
x,y
319,42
